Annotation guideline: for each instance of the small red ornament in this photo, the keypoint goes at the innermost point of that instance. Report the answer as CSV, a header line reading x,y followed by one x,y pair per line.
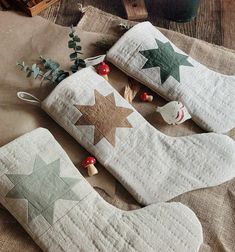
x,y
88,163
145,97
103,70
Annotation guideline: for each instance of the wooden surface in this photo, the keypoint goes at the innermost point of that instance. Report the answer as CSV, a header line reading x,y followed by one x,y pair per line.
x,y
135,9
215,22
36,7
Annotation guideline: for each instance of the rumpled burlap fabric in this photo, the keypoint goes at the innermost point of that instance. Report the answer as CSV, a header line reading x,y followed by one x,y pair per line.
x,y
25,39
22,41
215,207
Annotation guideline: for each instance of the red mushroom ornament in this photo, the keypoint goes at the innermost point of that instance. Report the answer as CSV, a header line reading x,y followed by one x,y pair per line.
x,y
145,97
103,70
88,163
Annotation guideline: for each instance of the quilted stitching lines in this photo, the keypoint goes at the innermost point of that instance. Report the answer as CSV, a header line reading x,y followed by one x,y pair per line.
x,y
167,59
105,116
42,188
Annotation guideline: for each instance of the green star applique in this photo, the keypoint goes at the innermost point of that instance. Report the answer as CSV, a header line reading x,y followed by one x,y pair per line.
x,y
166,59
42,188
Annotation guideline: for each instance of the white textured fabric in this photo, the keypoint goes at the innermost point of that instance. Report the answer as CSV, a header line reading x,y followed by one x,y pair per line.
x,y
153,167
209,96
88,224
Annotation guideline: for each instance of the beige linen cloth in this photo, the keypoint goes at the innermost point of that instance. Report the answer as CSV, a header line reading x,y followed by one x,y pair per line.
x,y
214,206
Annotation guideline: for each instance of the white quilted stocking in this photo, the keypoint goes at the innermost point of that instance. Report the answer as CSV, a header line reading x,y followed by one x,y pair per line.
x,y
147,55
49,197
153,167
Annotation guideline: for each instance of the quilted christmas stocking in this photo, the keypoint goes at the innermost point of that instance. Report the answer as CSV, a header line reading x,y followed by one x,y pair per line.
x,y
151,166
41,187
147,55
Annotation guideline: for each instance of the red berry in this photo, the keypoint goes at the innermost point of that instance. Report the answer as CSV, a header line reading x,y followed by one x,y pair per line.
x,y
103,69
144,97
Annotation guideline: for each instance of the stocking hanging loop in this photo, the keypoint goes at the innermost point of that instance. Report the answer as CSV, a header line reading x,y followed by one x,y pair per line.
x,y
29,98
92,61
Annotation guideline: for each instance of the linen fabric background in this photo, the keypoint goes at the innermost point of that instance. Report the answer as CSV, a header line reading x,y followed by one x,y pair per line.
x,y
214,206
69,215
150,165
25,161
145,54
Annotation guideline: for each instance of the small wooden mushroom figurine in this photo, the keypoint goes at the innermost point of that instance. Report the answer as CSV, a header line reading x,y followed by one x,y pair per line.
x,y
103,70
145,97
88,163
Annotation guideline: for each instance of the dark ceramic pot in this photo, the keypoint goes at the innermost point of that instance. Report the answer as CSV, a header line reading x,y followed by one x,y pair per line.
x,y
180,10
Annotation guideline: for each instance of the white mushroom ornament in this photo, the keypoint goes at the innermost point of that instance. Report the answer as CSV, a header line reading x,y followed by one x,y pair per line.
x,y
174,113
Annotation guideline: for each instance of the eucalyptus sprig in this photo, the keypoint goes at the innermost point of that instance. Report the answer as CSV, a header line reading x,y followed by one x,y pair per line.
x,y
32,70
74,43
51,71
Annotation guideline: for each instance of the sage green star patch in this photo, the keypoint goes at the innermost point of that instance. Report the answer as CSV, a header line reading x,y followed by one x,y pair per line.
x,y
166,59
42,188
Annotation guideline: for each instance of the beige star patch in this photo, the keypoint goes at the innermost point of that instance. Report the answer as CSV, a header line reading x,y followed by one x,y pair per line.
x,y
105,116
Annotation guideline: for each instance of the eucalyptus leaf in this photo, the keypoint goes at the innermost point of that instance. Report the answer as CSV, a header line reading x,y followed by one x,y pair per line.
x,y
74,68
28,74
34,66
62,77
71,44
76,38
73,56
55,72
82,64
49,63
36,72
54,78
78,48
71,35
25,68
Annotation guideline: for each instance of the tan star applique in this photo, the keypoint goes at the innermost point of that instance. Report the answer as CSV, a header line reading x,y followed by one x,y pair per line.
x,y
105,116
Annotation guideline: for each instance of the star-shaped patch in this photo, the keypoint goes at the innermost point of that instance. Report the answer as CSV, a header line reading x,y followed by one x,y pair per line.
x,y
105,116
166,59
42,188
